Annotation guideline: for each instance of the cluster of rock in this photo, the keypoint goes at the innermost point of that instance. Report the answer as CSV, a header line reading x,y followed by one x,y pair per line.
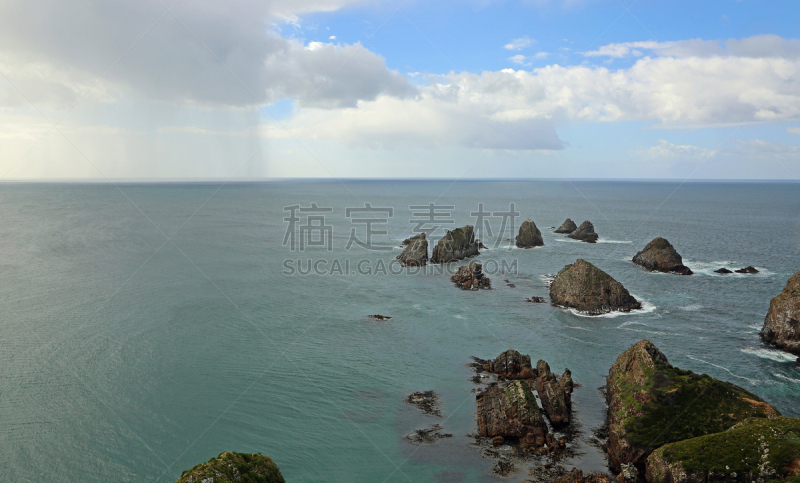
x,y
584,233
529,235
660,256
471,277
232,467
782,323
508,410
590,290
668,425
750,270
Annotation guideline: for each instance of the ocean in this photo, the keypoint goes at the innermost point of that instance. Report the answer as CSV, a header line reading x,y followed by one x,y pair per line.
x,y
146,328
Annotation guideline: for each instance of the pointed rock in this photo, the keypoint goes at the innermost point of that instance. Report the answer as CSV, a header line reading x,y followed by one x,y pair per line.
x,y
660,256
584,233
567,227
415,253
529,236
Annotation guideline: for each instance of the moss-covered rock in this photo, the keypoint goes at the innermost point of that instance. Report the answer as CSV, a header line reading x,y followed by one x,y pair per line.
x,y
232,467
756,450
651,403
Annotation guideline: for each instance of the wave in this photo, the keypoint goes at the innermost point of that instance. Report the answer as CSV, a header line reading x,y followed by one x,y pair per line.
x,y
771,354
751,381
603,240
647,308
787,378
458,316
709,268
691,308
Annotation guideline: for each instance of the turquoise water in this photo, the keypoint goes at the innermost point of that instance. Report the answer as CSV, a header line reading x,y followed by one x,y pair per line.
x,y
147,328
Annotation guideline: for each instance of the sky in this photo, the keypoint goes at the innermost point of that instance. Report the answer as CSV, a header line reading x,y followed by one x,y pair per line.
x,y
200,89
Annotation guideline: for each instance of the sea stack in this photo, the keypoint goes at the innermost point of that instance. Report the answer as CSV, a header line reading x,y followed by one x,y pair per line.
x,y
567,227
660,256
782,323
529,236
232,467
415,253
590,290
584,233
455,245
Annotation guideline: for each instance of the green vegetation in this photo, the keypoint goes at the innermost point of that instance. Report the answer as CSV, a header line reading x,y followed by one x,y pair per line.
x,y
672,405
756,446
528,407
235,467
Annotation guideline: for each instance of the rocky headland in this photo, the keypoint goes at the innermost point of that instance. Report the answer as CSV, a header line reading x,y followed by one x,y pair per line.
x,y
588,289
471,277
415,253
660,256
232,467
782,323
652,403
529,235
567,227
455,245
584,233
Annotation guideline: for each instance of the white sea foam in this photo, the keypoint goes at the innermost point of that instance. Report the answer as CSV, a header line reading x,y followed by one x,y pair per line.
x,y
787,378
771,354
568,240
692,307
709,268
635,326
416,306
458,316
603,240
647,308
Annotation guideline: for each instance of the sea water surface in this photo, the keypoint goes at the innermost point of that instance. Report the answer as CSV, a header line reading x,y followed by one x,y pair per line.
x,y
145,328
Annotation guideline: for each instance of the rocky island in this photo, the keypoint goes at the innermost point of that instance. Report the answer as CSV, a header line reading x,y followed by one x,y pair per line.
x,y
415,253
471,277
782,323
567,227
590,290
660,256
455,245
584,233
232,467
529,236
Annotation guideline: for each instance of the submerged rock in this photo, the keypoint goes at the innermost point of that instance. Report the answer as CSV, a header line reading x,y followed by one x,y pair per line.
x,y
782,323
660,256
455,245
723,271
536,300
415,253
471,277
529,236
751,270
584,233
755,450
427,435
587,288
427,401
379,317
651,403
511,411
567,227
232,467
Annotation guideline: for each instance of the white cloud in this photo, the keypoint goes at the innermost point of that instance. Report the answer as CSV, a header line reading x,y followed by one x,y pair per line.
x,y
760,46
519,59
519,44
208,53
749,150
665,149
794,130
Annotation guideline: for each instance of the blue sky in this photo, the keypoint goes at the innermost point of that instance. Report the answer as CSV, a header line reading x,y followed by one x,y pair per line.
x,y
448,89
